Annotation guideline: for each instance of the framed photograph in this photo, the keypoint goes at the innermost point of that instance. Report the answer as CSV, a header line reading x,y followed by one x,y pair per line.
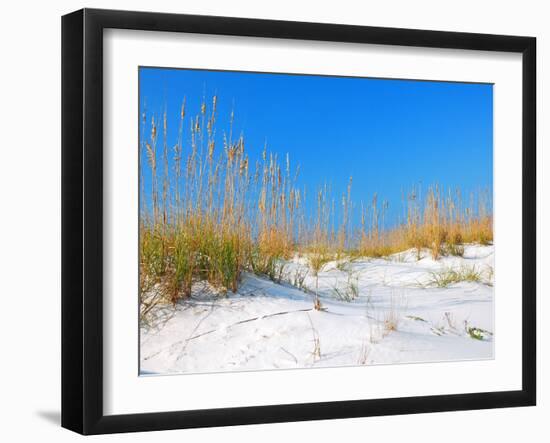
x,y
269,221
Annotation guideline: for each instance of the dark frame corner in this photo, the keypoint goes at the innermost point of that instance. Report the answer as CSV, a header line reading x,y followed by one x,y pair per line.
x,y
82,152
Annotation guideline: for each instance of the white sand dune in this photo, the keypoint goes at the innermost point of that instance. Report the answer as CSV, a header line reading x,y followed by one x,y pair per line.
x,y
398,316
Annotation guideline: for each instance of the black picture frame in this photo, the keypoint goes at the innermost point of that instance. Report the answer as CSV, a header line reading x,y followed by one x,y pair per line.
x,y
82,218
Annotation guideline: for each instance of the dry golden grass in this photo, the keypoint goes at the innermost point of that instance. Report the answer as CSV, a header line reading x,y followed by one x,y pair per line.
x,y
437,223
220,212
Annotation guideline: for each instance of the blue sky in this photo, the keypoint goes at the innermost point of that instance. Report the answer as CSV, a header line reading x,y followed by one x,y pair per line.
x,y
388,134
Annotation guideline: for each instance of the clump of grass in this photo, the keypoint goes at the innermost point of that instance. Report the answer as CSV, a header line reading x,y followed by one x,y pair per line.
x,y
298,280
350,291
416,318
391,316
449,276
317,259
343,265
267,257
453,249
391,321
214,217
477,333
183,264
153,253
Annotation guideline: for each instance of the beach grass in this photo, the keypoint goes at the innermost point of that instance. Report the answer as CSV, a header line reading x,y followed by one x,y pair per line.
x,y
221,211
